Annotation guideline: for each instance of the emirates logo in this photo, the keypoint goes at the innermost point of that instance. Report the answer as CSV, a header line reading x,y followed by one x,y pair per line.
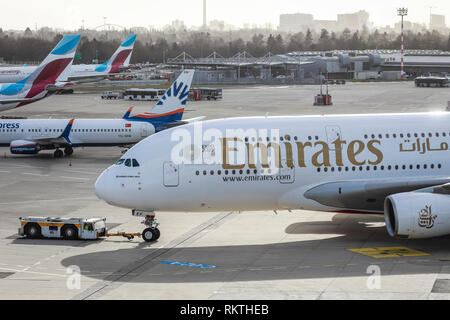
x,y
426,218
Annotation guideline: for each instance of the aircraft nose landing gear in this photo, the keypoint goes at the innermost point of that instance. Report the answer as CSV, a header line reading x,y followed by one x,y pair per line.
x,y
151,233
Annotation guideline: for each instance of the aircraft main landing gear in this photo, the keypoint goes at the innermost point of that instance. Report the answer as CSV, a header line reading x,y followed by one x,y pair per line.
x,y
68,151
58,153
152,233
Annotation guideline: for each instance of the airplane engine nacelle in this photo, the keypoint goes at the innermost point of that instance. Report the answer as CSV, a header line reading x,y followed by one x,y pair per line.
x,y
24,147
416,215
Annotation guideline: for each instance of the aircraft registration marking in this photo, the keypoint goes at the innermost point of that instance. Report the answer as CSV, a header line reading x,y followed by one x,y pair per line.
x,y
389,252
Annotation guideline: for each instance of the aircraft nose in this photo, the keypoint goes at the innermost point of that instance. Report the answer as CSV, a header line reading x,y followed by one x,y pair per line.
x,y
103,186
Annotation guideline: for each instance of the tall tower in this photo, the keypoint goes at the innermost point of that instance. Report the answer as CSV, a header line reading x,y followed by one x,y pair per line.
x,y
204,14
402,12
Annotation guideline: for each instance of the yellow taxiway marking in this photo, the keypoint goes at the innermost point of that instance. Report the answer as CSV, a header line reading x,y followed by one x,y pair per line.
x,y
389,252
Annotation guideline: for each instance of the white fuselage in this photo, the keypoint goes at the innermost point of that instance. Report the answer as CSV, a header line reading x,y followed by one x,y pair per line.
x,y
360,151
84,132
15,74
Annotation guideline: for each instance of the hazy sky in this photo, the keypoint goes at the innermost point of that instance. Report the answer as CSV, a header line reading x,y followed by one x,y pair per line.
x,y
145,13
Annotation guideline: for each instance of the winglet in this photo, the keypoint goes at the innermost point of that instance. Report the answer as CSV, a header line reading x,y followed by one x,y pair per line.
x,y
127,114
66,133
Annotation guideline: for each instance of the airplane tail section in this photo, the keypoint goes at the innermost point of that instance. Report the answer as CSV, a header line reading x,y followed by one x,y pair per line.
x,y
120,58
171,106
55,64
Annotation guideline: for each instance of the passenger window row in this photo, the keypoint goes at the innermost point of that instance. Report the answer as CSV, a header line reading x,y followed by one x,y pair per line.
x,y
100,130
232,172
408,135
283,138
366,136
381,168
74,130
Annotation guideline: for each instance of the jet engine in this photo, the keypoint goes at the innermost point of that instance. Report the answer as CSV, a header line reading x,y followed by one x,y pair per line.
x,y
422,214
24,147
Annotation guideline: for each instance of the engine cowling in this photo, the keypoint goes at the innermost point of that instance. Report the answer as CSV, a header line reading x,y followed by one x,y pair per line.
x,y
417,215
24,147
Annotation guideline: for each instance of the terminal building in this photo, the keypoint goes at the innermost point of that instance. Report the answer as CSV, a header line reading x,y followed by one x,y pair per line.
x,y
310,67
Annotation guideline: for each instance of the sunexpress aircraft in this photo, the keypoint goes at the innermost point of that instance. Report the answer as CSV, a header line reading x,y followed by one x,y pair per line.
x,y
30,136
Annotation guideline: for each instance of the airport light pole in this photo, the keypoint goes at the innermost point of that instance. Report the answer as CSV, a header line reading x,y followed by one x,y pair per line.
x,y
402,12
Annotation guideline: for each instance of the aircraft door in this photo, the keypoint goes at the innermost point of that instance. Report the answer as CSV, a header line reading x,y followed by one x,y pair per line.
x,y
287,173
144,131
171,174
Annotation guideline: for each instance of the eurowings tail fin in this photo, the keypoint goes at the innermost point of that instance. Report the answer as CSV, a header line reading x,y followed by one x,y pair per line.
x,y
120,58
54,67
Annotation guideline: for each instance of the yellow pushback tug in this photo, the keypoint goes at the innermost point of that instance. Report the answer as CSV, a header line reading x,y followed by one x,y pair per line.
x,y
68,228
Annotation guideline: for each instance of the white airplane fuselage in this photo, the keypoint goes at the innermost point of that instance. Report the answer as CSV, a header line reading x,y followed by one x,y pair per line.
x,y
84,132
15,74
359,152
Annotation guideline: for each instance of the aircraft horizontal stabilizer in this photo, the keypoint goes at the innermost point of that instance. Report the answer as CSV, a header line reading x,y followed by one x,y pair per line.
x,y
195,119
179,123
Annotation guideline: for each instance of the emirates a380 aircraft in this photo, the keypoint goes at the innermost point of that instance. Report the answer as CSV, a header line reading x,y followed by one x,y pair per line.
x,y
396,164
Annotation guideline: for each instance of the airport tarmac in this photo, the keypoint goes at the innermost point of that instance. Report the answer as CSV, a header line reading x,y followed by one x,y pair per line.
x,y
228,255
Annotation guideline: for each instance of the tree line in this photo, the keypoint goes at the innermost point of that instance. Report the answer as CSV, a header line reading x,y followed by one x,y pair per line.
x,y
201,44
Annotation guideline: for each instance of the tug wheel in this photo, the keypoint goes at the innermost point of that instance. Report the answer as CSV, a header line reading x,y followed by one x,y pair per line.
x,y
33,231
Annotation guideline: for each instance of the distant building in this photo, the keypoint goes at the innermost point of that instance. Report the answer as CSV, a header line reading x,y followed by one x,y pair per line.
x,y
301,22
437,22
353,21
295,22
178,25
410,26
218,25
330,25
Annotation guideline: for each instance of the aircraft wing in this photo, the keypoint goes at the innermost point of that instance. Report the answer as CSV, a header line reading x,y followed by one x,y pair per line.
x,y
367,195
87,78
51,141
52,88
8,101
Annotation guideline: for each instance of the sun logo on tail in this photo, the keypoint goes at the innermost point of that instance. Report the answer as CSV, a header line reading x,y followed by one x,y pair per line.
x,y
182,95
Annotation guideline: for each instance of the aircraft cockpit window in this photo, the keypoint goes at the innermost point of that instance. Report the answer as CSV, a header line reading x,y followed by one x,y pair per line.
x,y
128,163
120,162
135,163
